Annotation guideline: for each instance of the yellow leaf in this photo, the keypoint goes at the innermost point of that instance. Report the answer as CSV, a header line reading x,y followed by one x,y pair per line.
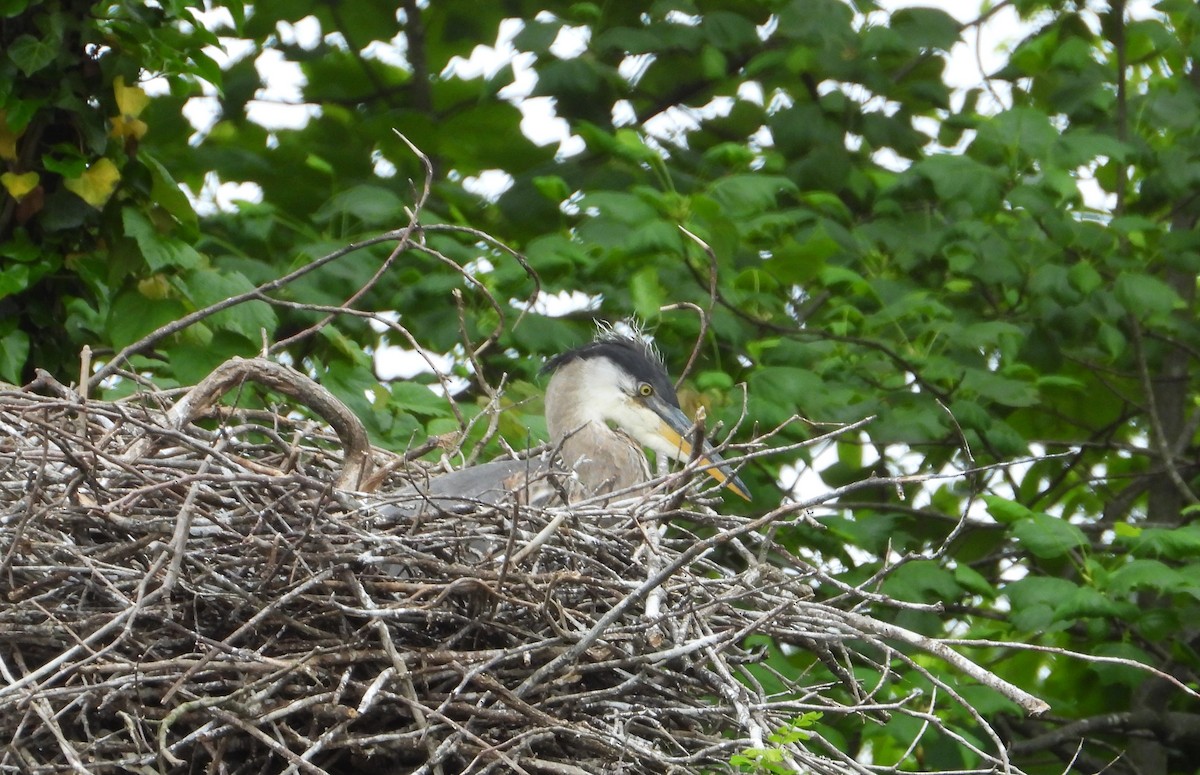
x,y
18,186
123,126
8,139
97,184
131,100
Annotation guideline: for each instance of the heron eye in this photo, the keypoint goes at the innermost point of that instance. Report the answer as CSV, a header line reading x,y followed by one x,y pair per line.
x,y
646,389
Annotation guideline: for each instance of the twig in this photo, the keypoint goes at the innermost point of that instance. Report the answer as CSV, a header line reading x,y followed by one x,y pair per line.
x,y
258,293
1034,706
705,314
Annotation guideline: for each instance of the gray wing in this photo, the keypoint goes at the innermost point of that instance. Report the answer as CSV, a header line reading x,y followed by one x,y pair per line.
x,y
533,481
466,491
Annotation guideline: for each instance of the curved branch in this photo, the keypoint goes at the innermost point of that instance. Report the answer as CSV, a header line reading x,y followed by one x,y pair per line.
x,y
356,459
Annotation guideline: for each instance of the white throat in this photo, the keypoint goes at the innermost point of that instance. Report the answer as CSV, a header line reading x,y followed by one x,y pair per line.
x,y
581,399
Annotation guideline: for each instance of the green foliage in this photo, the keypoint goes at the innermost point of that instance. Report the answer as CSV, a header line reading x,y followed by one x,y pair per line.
x,y
989,282
774,759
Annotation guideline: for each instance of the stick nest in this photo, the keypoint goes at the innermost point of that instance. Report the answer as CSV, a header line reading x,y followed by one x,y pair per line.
x,y
202,597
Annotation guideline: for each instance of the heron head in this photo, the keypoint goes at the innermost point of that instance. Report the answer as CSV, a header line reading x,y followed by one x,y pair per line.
x,y
621,381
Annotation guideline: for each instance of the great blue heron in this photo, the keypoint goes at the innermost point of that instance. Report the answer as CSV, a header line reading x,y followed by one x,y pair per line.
x,y
605,401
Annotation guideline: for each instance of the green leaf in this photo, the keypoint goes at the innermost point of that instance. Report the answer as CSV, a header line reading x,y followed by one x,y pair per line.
x,y
989,333
31,54
1014,134
926,28
14,279
159,250
850,454
974,581
1059,382
730,31
999,389
1084,277
656,236
536,36
10,8
922,581
960,179
910,422
833,276
796,730
1076,148
1126,531
1005,511
67,162
743,195
815,21
621,207
1038,590
249,318
1048,537
569,79
775,390
987,701
554,254
1141,573
198,351
1087,602
552,187
371,205
632,145
352,382
1033,601
647,292
167,194
133,316
1145,295
797,262
21,248
714,380
418,399
1175,543
14,352
1111,339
